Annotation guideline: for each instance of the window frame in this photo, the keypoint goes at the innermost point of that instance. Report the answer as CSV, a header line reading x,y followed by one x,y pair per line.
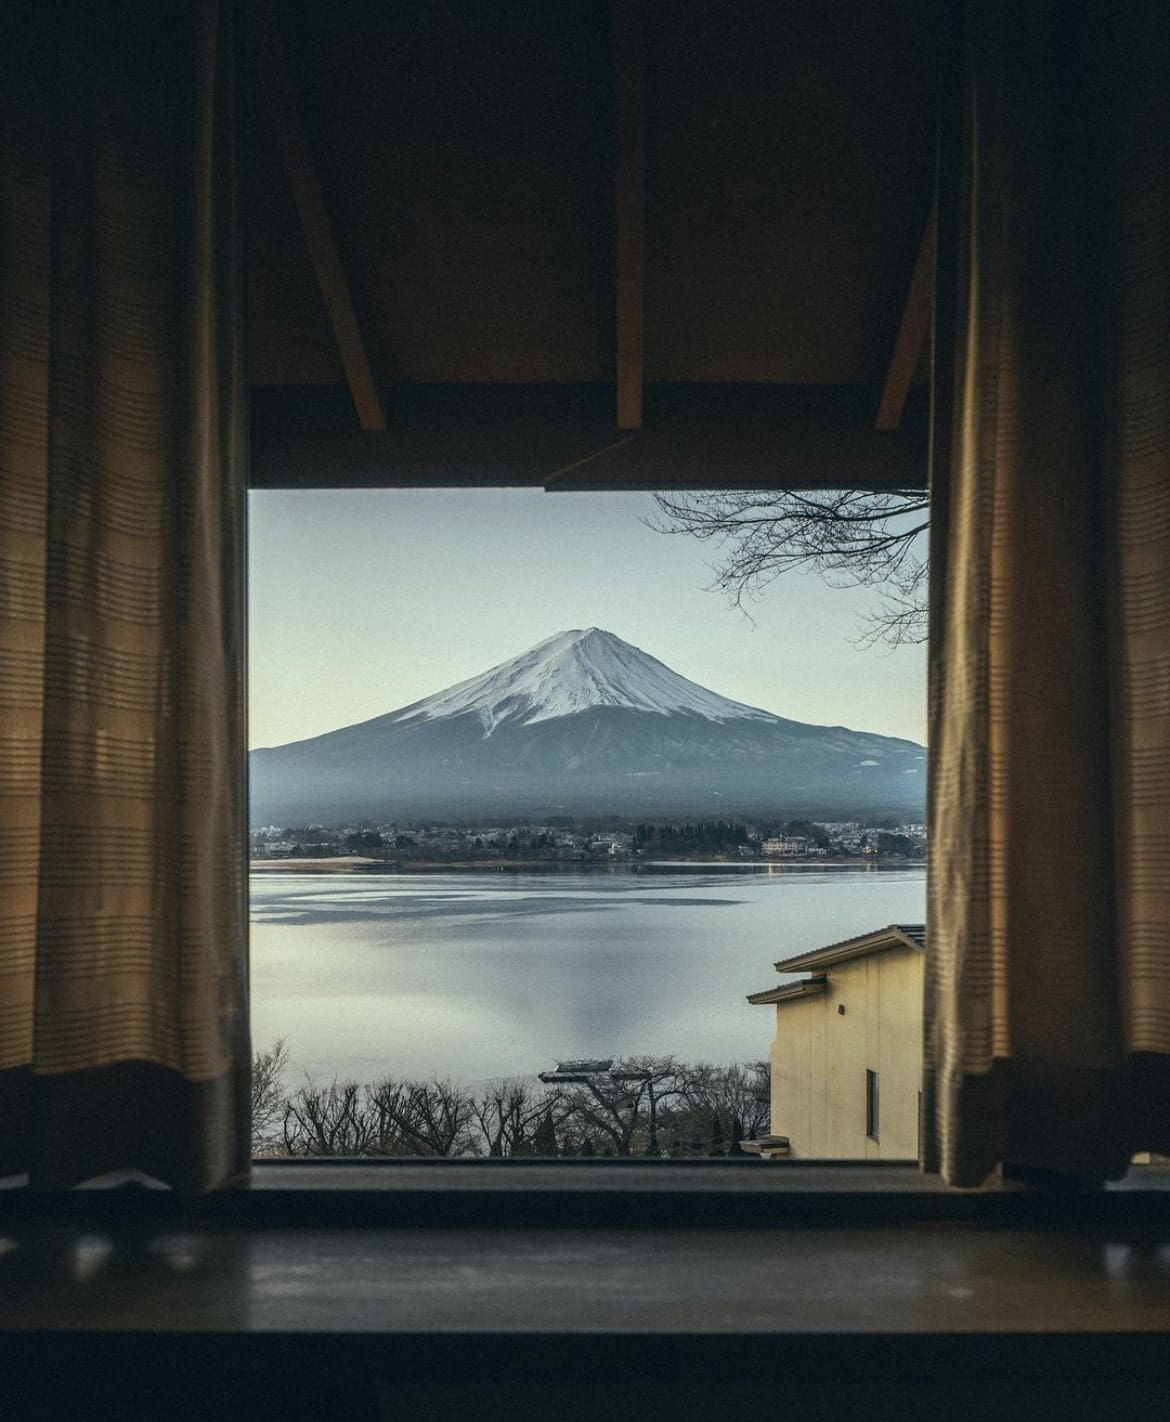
x,y
621,1183
873,1105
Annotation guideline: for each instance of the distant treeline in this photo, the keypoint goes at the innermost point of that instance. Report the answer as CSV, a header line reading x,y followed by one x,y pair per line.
x,y
639,1106
713,835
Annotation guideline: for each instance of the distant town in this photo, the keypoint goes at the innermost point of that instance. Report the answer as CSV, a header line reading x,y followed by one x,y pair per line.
x,y
421,845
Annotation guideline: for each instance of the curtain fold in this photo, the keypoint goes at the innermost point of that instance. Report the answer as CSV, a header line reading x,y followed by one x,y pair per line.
x,y
123,969
1048,991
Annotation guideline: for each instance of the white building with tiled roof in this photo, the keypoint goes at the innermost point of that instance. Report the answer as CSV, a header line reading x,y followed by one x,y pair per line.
x,y
847,1055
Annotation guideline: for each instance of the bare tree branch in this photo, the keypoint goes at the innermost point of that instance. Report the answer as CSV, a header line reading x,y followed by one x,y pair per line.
x,y
268,1069
505,1114
737,1095
327,1120
420,1117
848,537
623,1106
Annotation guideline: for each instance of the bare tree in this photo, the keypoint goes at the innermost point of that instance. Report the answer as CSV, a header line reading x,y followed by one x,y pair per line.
x,y
268,1069
420,1117
505,1115
627,1110
758,1089
849,537
424,1118
329,1120
623,1106
736,1096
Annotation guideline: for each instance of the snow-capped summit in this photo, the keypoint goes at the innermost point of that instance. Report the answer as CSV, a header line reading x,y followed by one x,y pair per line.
x,y
571,672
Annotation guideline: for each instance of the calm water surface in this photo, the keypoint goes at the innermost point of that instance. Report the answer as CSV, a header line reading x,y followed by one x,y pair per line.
x,y
481,974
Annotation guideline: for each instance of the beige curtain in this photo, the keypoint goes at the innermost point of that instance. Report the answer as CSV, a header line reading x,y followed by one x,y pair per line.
x,y
1048,999
123,989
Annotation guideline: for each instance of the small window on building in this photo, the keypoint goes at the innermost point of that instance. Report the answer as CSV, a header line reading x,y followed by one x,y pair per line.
x,y
872,1103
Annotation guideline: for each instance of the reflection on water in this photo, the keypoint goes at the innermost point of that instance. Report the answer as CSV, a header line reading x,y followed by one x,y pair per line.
x,y
475,974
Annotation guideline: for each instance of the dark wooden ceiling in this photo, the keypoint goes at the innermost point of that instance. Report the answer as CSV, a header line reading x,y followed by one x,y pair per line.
x,y
465,152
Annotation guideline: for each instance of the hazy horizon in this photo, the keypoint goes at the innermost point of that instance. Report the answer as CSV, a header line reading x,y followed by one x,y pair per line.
x,y
362,602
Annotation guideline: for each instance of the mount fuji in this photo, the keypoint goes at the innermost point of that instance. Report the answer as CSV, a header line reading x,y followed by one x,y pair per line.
x,y
583,724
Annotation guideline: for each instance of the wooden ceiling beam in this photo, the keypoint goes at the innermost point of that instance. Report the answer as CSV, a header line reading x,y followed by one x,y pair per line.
x,y
629,206
310,204
912,330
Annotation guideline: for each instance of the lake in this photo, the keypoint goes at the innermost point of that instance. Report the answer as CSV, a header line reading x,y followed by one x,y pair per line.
x,y
480,974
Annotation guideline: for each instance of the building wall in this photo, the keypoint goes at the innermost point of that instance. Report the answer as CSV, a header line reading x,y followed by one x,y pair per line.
x,y
820,1058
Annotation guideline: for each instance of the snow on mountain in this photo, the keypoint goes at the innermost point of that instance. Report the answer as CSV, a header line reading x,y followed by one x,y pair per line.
x,y
571,672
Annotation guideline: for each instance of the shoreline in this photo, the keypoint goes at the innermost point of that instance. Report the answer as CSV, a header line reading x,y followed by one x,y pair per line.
x,y
352,864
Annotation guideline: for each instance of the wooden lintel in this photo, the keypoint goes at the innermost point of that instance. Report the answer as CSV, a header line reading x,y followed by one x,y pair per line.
x,y
561,437
629,172
310,204
912,330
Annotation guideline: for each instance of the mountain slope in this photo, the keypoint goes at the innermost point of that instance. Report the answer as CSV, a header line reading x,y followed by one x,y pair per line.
x,y
582,724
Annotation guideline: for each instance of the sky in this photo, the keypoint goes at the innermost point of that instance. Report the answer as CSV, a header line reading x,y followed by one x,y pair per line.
x,y
363,601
